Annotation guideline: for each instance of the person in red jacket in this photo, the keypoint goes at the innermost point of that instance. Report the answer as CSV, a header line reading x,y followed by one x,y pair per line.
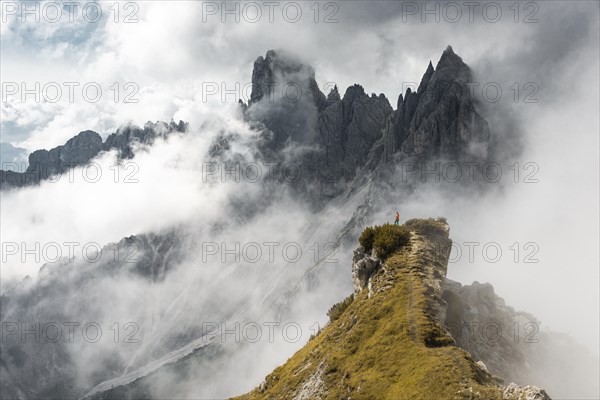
x,y
397,221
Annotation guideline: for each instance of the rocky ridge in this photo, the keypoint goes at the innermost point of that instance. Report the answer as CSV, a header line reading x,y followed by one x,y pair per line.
x,y
355,134
398,313
342,139
82,148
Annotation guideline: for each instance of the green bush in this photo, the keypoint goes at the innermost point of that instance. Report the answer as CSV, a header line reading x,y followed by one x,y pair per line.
x,y
389,239
367,237
385,239
337,309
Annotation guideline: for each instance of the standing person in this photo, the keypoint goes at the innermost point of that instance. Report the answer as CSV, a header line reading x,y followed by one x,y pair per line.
x,y
397,221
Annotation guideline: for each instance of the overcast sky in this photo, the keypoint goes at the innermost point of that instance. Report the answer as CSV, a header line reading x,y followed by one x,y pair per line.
x,y
171,51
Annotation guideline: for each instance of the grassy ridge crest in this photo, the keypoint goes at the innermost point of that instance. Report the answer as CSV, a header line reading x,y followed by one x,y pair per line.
x,y
387,345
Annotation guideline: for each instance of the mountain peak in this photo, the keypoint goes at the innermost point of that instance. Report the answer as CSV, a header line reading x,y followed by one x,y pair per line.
x,y
270,54
334,94
426,77
450,58
278,68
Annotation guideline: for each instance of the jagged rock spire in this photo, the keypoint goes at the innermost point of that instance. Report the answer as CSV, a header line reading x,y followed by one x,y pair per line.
x,y
400,101
450,59
426,78
333,95
277,69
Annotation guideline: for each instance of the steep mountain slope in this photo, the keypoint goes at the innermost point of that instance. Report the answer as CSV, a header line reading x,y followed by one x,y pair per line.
x,y
389,341
54,298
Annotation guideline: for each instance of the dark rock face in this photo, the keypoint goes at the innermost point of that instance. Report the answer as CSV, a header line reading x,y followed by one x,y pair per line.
x,y
445,120
347,128
278,73
77,151
82,148
361,132
472,308
285,98
126,137
339,130
43,164
437,121
514,345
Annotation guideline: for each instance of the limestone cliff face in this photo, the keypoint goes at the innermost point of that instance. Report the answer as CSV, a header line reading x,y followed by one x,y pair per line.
x,y
391,341
364,266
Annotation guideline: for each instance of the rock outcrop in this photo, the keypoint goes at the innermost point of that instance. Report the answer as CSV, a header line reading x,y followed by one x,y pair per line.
x,y
515,392
348,128
363,267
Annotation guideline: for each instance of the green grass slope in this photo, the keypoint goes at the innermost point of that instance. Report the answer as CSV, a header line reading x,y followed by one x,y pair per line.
x,y
387,343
